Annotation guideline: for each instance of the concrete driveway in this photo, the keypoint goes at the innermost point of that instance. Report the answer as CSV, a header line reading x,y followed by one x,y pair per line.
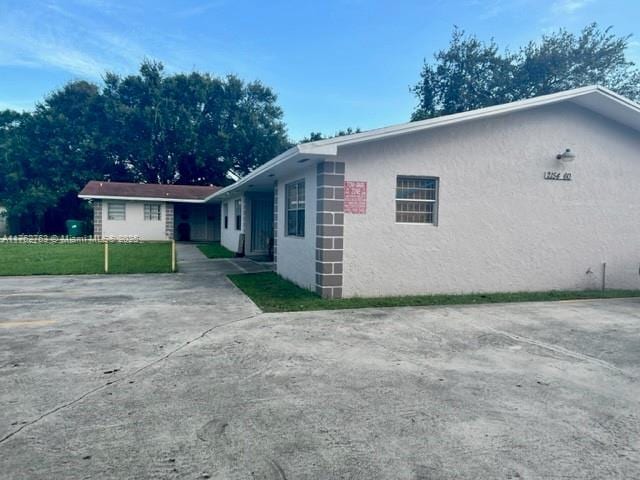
x,y
180,376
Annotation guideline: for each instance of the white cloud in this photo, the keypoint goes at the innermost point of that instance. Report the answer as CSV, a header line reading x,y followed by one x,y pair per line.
x,y
569,6
84,41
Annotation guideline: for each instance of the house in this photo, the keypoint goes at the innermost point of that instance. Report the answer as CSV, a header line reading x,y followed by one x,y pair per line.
x,y
538,194
154,212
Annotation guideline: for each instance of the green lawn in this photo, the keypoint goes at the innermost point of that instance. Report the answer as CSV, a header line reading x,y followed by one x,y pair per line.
x,y
86,258
272,293
215,250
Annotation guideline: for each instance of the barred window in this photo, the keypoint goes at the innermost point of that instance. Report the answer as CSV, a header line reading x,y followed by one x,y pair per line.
x,y
152,211
417,200
295,208
116,211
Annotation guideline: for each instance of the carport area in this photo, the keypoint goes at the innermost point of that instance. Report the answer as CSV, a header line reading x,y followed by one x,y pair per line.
x,y
180,376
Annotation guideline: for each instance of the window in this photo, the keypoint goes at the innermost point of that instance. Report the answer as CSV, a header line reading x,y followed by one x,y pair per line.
x,y
238,211
116,211
295,208
152,211
417,200
225,210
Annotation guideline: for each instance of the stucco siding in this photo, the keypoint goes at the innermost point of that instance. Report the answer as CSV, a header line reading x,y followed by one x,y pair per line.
x,y
296,259
501,225
134,223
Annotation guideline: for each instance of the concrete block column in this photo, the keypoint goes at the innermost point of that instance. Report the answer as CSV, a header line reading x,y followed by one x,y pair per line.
x,y
97,218
275,224
169,221
330,229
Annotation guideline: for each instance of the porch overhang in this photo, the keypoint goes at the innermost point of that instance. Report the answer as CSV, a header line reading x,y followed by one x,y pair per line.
x,y
263,177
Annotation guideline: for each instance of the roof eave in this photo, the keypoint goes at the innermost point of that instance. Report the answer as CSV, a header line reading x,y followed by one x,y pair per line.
x,y
140,199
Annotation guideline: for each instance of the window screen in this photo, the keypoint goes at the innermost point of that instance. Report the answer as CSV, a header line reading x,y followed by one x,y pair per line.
x,y
116,211
417,200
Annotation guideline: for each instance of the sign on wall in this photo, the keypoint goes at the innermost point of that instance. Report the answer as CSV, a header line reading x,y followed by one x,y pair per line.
x,y
355,197
566,176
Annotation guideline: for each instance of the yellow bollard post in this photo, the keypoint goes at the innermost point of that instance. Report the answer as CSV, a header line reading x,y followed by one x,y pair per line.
x,y
173,255
106,257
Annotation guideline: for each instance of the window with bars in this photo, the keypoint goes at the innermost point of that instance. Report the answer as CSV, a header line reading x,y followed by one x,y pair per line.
x,y
152,211
417,200
295,203
238,212
116,211
225,212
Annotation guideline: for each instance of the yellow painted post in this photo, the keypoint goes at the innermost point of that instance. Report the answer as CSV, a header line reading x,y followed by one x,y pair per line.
x,y
106,257
173,255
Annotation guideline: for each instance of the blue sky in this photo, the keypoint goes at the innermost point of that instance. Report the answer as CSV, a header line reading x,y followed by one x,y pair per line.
x,y
333,63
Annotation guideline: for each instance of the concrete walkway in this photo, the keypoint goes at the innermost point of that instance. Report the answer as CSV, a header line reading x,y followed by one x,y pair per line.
x,y
192,261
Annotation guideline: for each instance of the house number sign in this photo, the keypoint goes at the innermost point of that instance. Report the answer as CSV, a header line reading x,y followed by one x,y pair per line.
x,y
566,176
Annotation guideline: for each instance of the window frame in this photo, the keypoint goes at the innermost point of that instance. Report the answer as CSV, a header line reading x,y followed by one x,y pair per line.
x,y
435,201
298,232
225,214
112,203
150,217
237,210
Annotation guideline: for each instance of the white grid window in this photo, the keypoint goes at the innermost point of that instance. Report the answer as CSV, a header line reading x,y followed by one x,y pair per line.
x,y
152,211
116,211
295,208
417,200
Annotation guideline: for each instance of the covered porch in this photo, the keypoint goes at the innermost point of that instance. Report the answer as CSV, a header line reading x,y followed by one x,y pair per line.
x,y
196,222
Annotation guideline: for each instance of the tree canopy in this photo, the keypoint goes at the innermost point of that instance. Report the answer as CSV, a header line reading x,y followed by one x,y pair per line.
x,y
150,127
471,73
315,136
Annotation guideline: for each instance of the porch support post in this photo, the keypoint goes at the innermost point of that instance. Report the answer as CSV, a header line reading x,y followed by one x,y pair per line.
x,y
329,229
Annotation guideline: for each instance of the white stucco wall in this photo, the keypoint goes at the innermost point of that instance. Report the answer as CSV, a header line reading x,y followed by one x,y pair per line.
x,y
229,237
501,226
134,223
297,255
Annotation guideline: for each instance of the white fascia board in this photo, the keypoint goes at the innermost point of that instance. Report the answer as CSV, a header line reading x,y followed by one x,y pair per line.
x,y
330,146
299,151
138,199
445,120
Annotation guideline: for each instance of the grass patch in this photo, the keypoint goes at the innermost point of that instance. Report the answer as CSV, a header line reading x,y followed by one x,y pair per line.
x,y
215,250
84,258
272,293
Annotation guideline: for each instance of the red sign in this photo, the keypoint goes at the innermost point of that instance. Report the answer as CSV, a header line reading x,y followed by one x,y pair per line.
x,y
355,197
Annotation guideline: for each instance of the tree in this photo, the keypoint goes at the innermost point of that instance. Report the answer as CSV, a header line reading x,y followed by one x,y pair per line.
x,y
184,128
316,136
471,74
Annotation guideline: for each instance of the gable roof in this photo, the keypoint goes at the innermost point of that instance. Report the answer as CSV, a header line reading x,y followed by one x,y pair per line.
x,y
595,98
147,191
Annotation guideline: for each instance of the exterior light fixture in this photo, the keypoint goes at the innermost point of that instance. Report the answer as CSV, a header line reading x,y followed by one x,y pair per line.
x,y
566,156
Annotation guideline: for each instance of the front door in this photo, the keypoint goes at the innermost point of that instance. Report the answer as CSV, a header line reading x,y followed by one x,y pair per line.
x,y
261,224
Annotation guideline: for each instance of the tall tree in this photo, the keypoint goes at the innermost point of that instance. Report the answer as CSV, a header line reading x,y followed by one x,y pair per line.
x,y
471,74
151,127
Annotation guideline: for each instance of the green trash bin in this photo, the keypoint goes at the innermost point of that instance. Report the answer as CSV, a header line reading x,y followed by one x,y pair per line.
x,y
75,228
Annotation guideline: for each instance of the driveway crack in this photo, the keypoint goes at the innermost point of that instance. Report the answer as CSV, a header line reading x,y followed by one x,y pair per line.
x,y
558,349
123,378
